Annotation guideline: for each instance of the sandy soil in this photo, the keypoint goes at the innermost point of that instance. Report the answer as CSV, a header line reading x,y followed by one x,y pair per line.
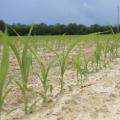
x,y
97,99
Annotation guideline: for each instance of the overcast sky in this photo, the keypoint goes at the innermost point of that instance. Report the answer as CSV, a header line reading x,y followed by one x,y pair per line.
x,y
59,11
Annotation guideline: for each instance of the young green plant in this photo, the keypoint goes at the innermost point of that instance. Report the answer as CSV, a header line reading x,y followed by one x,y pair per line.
x,y
24,61
4,65
97,55
44,71
78,65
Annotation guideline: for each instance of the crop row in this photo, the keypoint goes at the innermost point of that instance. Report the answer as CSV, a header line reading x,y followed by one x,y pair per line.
x,y
105,50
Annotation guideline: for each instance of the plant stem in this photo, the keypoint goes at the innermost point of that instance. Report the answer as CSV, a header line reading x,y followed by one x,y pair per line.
x,y
62,83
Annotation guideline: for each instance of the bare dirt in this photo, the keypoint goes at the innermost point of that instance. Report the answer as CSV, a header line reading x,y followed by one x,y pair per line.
x,y
97,99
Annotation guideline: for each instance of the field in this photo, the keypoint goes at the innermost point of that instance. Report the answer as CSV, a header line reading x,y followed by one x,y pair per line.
x,y
60,77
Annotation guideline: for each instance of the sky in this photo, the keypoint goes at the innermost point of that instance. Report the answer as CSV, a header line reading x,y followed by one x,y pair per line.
x,y
59,11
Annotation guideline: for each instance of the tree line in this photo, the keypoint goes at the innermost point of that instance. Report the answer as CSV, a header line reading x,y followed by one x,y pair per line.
x,y
56,29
